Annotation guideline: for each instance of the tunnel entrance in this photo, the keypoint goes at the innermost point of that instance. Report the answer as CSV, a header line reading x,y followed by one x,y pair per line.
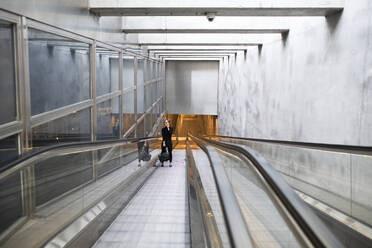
x,y
196,124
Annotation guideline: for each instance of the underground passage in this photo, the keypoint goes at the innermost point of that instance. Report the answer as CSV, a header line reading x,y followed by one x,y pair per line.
x,y
185,123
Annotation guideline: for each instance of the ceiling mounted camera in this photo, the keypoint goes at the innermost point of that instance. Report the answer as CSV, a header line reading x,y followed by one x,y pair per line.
x,y
210,16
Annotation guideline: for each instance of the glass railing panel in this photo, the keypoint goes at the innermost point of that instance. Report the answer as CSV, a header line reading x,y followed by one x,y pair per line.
x,y
338,177
60,174
8,149
74,127
108,119
265,221
11,208
61,184
8,99
109,159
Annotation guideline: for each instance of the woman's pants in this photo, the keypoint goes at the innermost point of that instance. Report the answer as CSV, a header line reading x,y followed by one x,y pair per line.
x,y
169,148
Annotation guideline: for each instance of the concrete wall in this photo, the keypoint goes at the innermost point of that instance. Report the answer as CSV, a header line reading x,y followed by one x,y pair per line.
x,y
191,87
313,86
72,15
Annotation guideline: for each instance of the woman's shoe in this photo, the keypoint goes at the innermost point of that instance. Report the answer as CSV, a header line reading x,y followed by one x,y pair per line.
x,y
170,165
162,165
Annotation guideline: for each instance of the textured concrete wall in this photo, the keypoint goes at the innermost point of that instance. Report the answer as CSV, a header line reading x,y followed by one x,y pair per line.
x,y
314,86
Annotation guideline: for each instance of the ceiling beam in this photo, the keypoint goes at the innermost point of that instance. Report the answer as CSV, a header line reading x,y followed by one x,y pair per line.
x,y
202,44
207,31
195,55
197,24
221,7
192,59
207,39
194,52
199,48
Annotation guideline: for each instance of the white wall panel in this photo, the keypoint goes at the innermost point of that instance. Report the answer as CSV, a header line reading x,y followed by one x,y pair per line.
x,y
191,87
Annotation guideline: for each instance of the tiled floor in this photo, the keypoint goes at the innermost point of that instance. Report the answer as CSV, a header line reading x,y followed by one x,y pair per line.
x,y
158,215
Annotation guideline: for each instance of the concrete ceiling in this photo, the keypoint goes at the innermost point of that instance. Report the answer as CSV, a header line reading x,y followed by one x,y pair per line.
x,y
181,27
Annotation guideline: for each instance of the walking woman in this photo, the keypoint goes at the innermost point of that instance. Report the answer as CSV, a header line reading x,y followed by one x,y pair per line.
x,y
166,132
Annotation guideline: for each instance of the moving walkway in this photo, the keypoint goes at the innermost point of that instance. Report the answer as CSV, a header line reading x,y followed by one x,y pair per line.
x,y
220,193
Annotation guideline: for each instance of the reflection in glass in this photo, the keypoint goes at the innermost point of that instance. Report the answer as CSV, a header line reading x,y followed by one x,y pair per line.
x,y
261,214
60,174
148,124
154,115
153,92
157,110
8,149
141,129
67,184
108,119
10,200
148,70
128,72
140,88
154,70
107,71
159,89
148,96
132,134
7,74
71,128
59,71
128,111
140,101
140,71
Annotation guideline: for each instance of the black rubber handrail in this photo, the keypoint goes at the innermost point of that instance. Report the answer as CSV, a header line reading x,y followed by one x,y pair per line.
x,y
22,158
202,221
367,150
312,226
236,227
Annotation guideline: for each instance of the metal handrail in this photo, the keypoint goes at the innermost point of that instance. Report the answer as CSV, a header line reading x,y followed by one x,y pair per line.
x,y
236,227
312,226
367,150
53,148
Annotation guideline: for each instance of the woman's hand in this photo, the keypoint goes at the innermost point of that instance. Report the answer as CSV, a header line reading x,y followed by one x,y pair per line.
x,y
163,143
